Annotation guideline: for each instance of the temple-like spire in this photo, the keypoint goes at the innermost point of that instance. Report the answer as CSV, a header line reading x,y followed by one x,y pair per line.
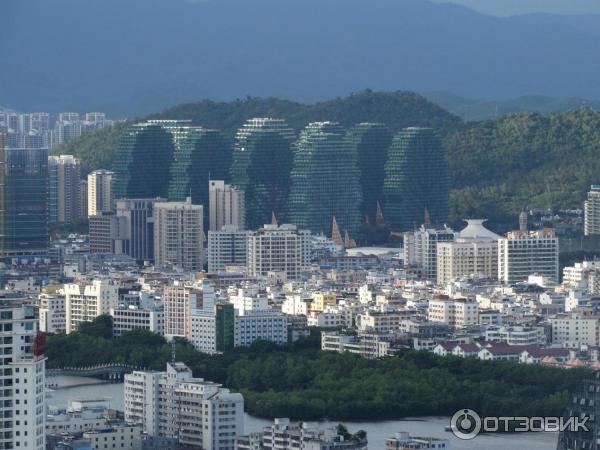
x,y
336,236
273,219
348,243
379,217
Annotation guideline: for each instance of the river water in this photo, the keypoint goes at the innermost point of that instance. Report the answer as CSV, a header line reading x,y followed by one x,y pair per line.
x,y
72,388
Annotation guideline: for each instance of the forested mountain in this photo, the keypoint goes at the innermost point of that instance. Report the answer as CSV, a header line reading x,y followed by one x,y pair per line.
x,y
498,167
396,109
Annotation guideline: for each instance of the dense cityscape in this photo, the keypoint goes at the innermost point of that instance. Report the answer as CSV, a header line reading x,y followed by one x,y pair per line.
x,y
387,269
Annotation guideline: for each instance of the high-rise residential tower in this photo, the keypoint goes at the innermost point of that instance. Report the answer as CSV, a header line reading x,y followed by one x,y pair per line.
x,y
100,191
23,202
325,180
262,161
371,142
64,174
22,375
199,155
417,182
226,206
142,162
178,235
591,223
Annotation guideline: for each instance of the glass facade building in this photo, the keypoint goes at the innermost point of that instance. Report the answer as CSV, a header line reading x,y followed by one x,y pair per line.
x,y
371,142
199,154
23,202
142,162
325,180
416,180
262,162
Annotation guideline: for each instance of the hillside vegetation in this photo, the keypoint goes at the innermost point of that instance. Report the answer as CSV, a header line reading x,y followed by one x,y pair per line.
x,y
498,167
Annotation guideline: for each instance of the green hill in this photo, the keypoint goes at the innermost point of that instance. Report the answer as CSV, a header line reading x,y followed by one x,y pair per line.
x,y
498,167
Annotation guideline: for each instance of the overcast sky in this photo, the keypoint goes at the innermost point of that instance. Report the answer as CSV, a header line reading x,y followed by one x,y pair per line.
x,y
510,7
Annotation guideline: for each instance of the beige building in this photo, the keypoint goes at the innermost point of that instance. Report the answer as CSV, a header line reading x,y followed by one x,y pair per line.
x,y
99,188
180,303
278,249
473,252
575,329
122,436
454,312
64,173
226,206
178,235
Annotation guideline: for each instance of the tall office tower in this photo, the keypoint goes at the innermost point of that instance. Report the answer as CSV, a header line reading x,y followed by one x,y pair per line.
x,y
474,251
227,247
200,414
591,224
262,162
420,248
371,142
142,162
86,300
178,235
417,180
226,205
278,249
137,229
524,253
24,202
106,231
22,375
325,180
100,191
64,174
199,155
83,199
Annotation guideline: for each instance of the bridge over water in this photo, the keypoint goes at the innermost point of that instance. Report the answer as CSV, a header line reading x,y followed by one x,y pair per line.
x,y
111,371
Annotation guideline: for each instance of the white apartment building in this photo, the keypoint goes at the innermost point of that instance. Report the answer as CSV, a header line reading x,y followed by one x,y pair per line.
x,y
99,190
134,318
455,312
22,373
264,325
575,329
198,413
576,274
226,205
516,335
86,300
591,223
121,436
52,313
296,305
523,253
227,247
473,252
326,319
420,248
278,249
178,235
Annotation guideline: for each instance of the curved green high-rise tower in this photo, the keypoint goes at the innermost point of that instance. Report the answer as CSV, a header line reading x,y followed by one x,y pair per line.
x,y
416,179
200,154
325,180
142,162
371,142
262,161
